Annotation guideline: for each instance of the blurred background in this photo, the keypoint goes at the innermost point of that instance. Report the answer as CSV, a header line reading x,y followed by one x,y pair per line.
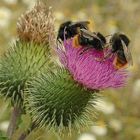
x,y
119,110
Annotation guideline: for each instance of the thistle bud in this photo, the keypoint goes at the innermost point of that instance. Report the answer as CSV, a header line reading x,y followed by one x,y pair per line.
x,y
55,100
17,66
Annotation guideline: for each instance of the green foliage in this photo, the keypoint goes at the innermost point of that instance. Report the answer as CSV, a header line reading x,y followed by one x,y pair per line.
x,y
54,99
17,66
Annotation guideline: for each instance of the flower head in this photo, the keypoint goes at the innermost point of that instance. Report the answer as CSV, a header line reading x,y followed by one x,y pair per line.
x,y
87,70
37,25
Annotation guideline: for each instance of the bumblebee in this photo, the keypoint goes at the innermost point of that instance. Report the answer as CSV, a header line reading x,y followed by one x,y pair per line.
x,y
89,40
120,46
94,40
69,29
81,35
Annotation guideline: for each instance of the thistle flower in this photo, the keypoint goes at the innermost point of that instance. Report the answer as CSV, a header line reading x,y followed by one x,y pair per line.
x,y
58,97
87,70
37,25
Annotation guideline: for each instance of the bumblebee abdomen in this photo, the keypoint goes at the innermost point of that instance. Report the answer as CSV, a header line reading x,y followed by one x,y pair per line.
x,y
119,63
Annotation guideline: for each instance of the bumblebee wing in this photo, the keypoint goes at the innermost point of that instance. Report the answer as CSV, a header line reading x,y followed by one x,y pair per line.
x,y
127,53
88,34
130,57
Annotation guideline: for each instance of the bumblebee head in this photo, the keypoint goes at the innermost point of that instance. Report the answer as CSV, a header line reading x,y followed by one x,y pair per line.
x,y
116,41
63,27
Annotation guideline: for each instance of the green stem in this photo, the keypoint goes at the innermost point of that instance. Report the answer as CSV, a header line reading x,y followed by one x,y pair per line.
x,y
16,113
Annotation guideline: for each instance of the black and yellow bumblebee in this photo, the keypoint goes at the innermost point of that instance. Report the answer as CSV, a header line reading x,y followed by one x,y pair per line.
x,y
81,34
69,29
120,46
88,39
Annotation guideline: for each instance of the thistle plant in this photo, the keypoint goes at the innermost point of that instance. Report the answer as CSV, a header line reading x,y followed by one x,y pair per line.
x,y
57,97
26,58
20,63
30,52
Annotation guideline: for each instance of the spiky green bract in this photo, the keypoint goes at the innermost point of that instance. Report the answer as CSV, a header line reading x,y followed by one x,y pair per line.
x,y
20,63
55,100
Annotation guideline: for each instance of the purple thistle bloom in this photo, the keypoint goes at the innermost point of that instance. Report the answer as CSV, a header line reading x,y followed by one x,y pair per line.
x,y
87,70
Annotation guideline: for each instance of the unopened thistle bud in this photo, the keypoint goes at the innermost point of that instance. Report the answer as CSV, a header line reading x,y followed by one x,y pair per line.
x,y
17,66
